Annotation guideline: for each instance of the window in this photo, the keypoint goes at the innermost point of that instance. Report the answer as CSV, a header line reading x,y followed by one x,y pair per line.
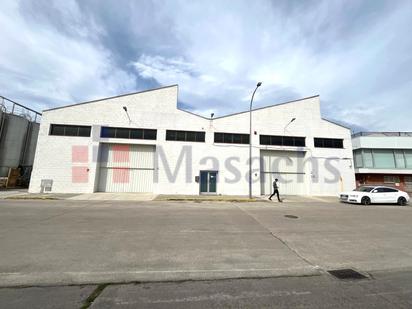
x,y
185,136
379,190
278,140
389,190
109,132
367,158
69,130
136,134
391,179
399,159
231,138
122,133
383,158
328,142
358,158
408,158
149,134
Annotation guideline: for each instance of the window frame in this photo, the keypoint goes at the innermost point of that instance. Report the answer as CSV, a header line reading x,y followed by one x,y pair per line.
x,y
274,140
66,127
144,133
182,136
328,142
229,138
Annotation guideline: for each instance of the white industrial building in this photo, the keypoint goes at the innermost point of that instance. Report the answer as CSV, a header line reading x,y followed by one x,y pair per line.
x,y
142,142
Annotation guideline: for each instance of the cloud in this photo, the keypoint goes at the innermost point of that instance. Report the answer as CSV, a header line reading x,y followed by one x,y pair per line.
x,y
354,54
44,67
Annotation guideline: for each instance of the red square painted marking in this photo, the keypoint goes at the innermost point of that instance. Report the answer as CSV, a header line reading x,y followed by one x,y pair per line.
x,y
80,154
121,175
121,153
80,174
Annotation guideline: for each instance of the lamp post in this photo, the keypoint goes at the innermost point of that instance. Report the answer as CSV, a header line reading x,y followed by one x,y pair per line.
x,y
284,129
250,139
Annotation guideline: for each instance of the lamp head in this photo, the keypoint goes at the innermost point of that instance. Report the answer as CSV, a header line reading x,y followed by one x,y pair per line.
x,y
259,84
293,119
125,108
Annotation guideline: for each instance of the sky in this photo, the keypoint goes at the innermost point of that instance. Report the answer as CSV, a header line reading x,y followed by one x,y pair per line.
x,y
357,55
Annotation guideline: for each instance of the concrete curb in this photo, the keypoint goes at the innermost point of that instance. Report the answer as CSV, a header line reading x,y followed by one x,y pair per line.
x,y
86,278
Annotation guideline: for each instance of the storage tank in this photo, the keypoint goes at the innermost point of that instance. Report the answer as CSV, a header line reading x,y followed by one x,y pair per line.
x,y
14,134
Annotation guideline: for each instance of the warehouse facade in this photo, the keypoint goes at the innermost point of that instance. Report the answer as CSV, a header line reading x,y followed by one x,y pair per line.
x,y
142,142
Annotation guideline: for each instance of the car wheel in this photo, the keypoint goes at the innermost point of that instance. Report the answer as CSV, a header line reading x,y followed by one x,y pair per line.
x,y
366,200
402,201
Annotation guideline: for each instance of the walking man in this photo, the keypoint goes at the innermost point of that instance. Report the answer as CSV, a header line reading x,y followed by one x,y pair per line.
x,y
275,190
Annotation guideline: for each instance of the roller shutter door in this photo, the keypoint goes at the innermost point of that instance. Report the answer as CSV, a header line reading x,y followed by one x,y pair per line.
x,y
126,168
287,167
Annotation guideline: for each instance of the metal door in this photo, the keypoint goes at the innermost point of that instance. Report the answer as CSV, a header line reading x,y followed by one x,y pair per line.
x,y
208,182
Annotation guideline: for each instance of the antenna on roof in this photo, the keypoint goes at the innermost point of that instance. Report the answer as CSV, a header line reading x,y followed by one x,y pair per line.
x,y
211,115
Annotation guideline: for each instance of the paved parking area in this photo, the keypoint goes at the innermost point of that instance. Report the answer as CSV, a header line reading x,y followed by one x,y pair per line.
x,y
88,242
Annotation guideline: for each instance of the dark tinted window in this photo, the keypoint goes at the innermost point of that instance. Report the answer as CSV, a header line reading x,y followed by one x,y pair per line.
x,y
278,140
185,136
228,138
200,136
218,137
122,133
150,134
288,141
300,142
180,135
171,135
108,132
231,138
56,129
380,190
132,133
328,142
237,139
191,136
136,133
264,140
389,190
69,130
84,131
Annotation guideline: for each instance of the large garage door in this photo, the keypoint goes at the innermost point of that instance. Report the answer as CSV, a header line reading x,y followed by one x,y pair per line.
x,y
126,168
287,167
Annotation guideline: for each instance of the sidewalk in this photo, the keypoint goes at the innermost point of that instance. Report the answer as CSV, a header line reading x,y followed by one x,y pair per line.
x,y
22,194
244,198
5,193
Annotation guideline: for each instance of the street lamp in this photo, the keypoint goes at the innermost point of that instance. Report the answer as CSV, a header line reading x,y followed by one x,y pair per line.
x,y
284,129
250,139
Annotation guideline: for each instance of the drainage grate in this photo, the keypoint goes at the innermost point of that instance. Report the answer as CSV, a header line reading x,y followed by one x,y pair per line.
x,y
347,274
291,216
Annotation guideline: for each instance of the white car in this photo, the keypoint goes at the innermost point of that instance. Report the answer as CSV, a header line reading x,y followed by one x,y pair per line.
x,y
367,195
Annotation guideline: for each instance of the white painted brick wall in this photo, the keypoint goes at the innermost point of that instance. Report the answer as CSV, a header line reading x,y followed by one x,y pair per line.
x,y
157,109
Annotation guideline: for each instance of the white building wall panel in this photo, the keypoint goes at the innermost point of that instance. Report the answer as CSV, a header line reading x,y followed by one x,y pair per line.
x,y
157,110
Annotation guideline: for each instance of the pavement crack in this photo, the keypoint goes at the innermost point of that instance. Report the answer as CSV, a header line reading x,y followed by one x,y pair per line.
x,y
293,250
279,238
92,297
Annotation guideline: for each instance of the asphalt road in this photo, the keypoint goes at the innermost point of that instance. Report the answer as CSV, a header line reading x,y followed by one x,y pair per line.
x,y
61,243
